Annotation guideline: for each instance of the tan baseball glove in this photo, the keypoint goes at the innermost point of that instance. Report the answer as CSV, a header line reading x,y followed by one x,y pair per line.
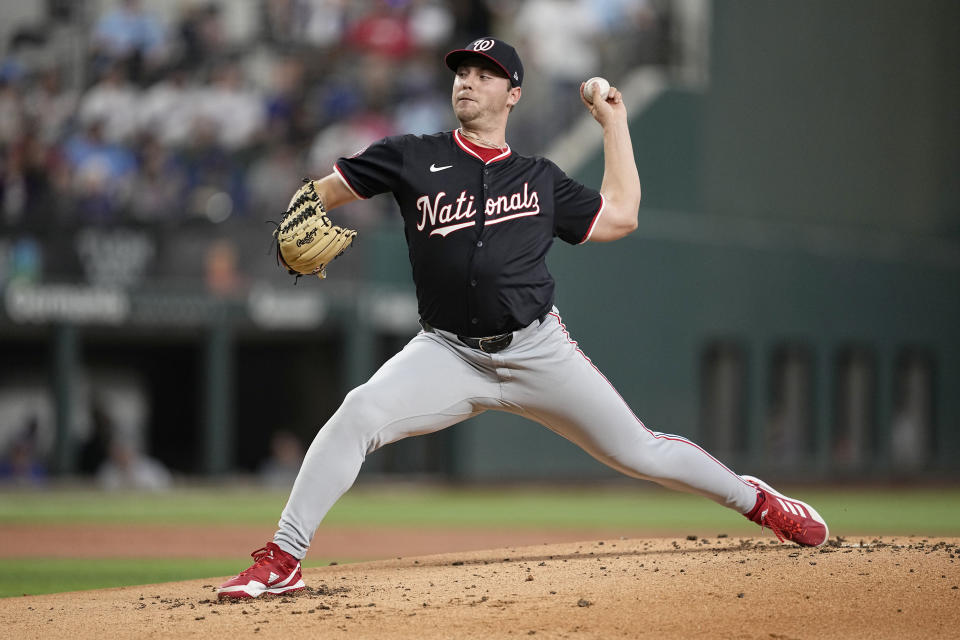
x,y
307,241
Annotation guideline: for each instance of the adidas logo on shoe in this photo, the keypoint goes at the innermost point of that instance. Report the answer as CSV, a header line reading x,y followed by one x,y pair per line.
x,y
789,519
274,571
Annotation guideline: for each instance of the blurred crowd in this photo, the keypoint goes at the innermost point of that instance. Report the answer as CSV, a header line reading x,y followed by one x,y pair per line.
x,y
161,117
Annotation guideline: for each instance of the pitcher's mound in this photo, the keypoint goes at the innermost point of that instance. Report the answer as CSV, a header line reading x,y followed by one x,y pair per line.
x,y
616,588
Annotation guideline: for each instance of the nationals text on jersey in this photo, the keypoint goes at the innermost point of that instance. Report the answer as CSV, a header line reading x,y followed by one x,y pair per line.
x,y
499,209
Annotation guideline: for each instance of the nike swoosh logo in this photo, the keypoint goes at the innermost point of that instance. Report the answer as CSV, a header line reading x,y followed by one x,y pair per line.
x,y
434,168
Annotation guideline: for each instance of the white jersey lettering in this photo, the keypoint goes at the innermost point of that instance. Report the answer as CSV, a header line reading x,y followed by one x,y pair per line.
x,y
444,213
444,218
519,204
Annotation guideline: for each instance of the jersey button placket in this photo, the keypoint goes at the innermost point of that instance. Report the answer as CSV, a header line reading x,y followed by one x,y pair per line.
x,y
479,244
486,190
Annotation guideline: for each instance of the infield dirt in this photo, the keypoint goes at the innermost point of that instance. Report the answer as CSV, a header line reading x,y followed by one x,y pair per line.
x,y
613,588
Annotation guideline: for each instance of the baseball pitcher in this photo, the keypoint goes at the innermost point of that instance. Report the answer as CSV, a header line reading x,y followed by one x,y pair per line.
x,y
479,220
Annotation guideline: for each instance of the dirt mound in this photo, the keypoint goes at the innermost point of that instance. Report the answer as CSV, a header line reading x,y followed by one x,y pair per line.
x,y
615,588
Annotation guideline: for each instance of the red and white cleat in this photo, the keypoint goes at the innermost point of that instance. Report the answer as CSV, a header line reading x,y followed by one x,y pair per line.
x,y
274,571
789,519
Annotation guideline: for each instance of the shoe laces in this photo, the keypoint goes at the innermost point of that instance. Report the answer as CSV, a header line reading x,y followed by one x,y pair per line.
x,y
783,525
261,556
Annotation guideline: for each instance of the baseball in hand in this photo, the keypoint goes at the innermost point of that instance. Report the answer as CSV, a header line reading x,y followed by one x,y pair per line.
x,y
596,87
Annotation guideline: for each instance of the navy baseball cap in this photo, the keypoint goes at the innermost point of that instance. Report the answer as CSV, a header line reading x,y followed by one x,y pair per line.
x,y
497,51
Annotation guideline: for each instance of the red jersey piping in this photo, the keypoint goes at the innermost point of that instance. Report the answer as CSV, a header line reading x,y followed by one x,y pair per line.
x,y
463,145
596,218
346,182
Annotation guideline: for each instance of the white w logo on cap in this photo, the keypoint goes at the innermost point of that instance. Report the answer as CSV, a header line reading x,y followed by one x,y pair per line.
x,y
483,45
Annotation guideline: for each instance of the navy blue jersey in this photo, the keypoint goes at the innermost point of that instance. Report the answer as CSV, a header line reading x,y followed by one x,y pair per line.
x,y
477,232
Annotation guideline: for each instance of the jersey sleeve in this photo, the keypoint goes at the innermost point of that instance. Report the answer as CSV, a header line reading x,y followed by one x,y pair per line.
x,y
373,170
577,208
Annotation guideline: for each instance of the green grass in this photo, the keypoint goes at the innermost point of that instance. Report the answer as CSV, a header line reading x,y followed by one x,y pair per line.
x,y
55,575
902,511
186,506
850,512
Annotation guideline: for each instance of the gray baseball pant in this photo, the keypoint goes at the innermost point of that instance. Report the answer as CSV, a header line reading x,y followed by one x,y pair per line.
x,y
436,382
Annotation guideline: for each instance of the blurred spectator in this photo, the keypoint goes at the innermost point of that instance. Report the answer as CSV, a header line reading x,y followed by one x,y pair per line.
x,y
384,30
286,455
617,16
113,102
318,23
272,178
280,18
32,166
221,268
11,110
431,24
127,468
167,108
422,107
21,466
234,111
283,104
12,67
335,99
31,48
128,34
53,105
560,40
201,33
215,178
378,82
101,174
159,186
424,113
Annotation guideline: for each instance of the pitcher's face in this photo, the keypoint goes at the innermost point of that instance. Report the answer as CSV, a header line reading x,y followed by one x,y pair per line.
x,y
481,90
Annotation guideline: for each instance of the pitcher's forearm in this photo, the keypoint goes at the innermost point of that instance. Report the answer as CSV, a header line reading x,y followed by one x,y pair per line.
x,y
621,183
